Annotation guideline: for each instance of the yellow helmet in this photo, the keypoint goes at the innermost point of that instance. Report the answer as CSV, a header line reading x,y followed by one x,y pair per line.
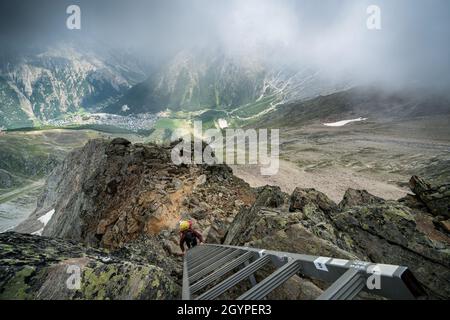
x,y
184,225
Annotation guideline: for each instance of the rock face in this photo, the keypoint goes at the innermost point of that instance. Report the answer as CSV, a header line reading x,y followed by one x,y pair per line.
x,y
354,198
42,268
129,198
111,192
6,179
268,197
302,198
436,198
391,233
362,227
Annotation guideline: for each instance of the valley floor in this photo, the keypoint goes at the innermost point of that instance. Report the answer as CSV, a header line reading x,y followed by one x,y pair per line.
x,y
17,205
378,157
331,181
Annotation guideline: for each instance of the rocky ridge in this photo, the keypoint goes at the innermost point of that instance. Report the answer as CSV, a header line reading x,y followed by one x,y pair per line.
x,y
127,199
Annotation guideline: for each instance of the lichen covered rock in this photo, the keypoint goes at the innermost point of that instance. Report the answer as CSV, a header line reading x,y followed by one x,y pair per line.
x,y
436,198
391,233
33,267
353,198
363,227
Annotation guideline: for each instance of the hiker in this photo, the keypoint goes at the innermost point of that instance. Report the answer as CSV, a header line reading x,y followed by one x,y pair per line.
x,y
188,235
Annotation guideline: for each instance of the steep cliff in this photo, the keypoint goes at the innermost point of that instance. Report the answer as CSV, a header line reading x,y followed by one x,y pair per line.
x,y
110,192
128,198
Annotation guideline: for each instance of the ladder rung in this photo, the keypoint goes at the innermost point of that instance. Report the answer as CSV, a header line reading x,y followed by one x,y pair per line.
x,y
208,255
346,287
211,260
271,282
195,253
235,279
213,266
220,272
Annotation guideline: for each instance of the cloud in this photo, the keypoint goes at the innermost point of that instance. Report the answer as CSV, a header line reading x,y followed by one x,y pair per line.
x,y
330,35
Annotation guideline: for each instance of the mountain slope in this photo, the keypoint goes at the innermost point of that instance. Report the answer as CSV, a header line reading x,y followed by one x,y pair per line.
x,y
214,80
46,84
366,102
117,194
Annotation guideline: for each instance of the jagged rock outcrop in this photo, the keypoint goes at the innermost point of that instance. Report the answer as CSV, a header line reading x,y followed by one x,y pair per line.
x,y
276,228
362,227
302,198
353,198
270,225
391,233
110,192
436,198
317,209
129,198
35,267
239,231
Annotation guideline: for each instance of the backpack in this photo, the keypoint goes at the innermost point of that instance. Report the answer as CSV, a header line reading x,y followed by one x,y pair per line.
x,y
189,236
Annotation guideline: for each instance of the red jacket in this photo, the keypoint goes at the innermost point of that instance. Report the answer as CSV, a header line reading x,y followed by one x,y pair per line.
x,y
183,237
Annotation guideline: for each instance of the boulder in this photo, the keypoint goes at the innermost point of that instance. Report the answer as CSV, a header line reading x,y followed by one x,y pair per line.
x,y
436,198
268,196
353,198
392,233
120,141
302,198
317,208
33,267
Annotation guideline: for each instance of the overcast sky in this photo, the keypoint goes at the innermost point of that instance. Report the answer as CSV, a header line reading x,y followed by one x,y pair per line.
x,y
413,44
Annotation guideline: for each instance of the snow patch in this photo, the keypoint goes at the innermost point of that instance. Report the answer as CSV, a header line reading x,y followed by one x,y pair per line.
x,y
39,232
222,123
343,122
46,217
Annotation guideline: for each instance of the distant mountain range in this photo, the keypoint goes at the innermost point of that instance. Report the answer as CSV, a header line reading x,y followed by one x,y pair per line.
x,y
366,102
193,81
49,83
53,83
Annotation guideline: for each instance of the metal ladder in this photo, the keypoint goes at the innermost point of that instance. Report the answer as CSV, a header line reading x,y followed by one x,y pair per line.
x,y
207,264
